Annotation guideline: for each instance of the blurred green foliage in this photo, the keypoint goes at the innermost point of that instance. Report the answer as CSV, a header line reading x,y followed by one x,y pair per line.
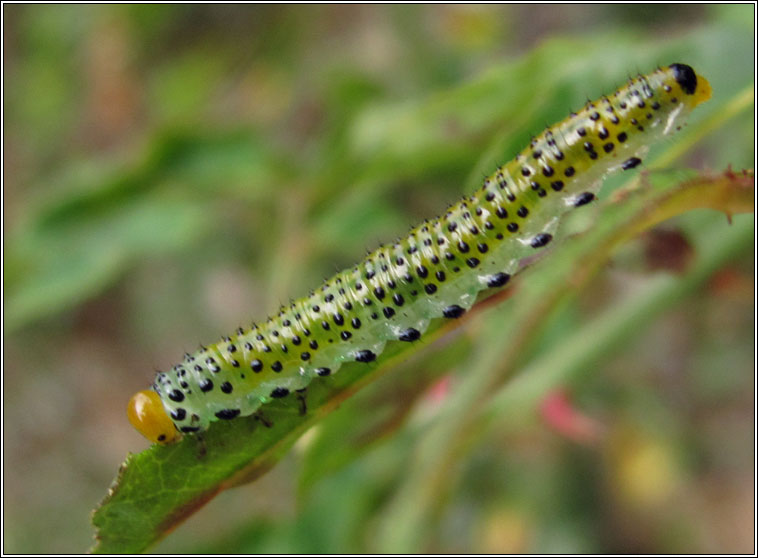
x,y
173,171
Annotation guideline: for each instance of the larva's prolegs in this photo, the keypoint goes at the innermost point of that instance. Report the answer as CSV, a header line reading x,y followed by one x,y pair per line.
x,y
436,271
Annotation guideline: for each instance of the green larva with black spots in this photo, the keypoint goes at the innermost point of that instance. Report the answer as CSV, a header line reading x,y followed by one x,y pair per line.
x,y
436,271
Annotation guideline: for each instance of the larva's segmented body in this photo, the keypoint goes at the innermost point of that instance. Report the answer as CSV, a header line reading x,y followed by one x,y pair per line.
x,y
436,271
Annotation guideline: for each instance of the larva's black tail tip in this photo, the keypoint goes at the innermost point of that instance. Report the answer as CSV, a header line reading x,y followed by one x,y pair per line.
x,y
685,76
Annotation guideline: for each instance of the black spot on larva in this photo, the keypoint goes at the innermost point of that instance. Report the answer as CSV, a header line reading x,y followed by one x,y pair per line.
x,y
482,247
189,429
338,319
489,197
581,131
453,311
501,212
603,133
595,116
313,344
379,292
537,154
228,414
522,212
345,335
323,371
278,393
583,199
430,288
608,147
256,365
540,240
398,299
276,366
472,262
329,298
512,227
569,171
463,247
388,312
655,106
498,280
452,226
631,163
422,271
325,325
548,171
622,137
176,395
526,171
178,414
206,385
557,185
410,334
305,355
588,146
592,155
365,355
226,387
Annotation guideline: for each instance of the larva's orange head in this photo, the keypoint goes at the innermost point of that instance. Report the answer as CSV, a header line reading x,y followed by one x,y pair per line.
x,y
147,415
696,87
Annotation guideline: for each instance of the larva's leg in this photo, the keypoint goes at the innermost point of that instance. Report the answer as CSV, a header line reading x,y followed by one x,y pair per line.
x,y
301,393
260,417
202,448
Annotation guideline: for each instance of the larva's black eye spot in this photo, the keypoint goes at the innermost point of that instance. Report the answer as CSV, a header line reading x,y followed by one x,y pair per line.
x,y
278,393
583,199
498,280
685,76
227,414
453,311
540,240
365,356
631,163
410,334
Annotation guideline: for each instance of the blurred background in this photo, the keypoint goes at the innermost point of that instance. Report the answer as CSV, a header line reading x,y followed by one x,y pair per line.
x,y
172,172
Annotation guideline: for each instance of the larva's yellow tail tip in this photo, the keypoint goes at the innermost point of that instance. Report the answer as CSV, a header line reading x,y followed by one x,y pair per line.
x,y
147,415
703,91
